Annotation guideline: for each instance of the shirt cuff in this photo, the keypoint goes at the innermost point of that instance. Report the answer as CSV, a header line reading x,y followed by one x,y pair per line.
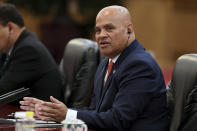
x,y
71,114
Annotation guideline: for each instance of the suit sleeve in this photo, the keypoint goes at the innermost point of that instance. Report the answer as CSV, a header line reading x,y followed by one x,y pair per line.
x,y
137,86
22,69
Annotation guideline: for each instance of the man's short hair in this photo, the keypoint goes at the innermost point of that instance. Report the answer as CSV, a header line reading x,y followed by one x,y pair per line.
x,y
9,13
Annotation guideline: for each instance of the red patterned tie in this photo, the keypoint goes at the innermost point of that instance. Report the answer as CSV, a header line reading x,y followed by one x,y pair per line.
x,y
109,68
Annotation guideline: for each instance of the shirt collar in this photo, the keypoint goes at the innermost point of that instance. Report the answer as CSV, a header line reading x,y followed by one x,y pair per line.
x,y
114,59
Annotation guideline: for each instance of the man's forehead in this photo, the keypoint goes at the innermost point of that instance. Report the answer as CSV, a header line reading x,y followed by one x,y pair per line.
x,y
108,17
109,21
104,24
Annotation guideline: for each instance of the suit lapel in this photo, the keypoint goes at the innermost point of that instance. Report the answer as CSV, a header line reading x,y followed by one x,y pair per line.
x,y
106,85
100,79
2,61
6,61
4,64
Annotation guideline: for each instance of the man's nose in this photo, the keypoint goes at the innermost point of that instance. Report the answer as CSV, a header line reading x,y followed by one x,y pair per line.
x,y
102,34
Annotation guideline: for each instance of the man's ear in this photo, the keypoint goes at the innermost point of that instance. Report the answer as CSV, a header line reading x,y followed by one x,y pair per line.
x,y
128,31
130,28
10,26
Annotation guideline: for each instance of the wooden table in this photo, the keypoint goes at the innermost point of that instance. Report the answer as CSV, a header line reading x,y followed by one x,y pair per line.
x,y
6,109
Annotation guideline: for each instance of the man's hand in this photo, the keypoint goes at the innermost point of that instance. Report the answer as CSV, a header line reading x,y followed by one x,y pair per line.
x,y
51,111
29,103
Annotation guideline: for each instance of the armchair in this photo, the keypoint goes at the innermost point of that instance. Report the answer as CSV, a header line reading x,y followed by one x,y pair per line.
x,y
78,66
182,94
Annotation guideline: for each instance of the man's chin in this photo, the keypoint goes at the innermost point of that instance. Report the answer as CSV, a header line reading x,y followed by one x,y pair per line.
x,y
107,54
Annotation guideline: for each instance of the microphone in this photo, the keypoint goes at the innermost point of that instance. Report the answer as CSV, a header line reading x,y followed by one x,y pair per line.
x,y
14,95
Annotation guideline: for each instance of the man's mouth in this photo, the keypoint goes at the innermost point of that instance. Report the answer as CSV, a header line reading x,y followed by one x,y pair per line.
x,y
104,44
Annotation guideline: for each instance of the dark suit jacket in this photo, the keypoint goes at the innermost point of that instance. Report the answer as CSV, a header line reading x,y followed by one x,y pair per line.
x,y
30,65
133,98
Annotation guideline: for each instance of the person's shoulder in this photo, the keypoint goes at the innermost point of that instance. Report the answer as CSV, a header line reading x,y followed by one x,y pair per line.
x,y
141,55
31,42
141,59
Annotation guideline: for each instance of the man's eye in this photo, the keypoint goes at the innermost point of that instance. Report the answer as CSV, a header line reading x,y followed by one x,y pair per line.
x,y
109,28
97,31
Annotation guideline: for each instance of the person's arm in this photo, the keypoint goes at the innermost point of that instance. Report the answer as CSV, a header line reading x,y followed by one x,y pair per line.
x,y
114,118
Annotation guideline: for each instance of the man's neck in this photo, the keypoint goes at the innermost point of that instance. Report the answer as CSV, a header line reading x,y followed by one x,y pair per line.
x,y
14,39
18,33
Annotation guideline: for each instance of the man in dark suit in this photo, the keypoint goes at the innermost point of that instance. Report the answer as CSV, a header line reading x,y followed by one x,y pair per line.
x,y
130,95
25,61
